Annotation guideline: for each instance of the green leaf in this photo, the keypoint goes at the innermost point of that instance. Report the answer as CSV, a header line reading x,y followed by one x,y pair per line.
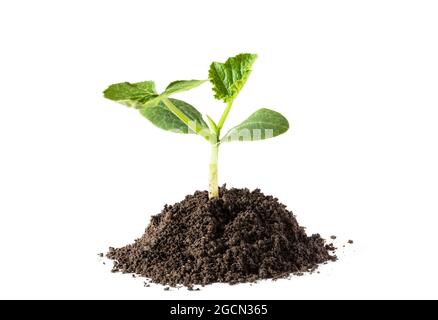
x,y
137,95
182,85
229,78
163,118
262,124
213,125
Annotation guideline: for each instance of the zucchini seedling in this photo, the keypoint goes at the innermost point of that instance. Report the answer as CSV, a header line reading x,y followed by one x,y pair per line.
x,y
175,115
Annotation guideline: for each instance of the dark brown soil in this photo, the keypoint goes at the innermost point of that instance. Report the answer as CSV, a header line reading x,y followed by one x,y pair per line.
x,y
241,237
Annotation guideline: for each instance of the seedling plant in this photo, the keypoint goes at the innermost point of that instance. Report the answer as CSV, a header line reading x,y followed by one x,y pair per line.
x,y
227,80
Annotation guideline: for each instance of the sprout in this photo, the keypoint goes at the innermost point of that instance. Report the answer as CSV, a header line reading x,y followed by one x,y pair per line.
x,y
175,115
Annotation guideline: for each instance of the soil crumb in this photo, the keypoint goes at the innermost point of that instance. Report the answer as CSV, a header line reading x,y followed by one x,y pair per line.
x,y
242,236
350,241
193,289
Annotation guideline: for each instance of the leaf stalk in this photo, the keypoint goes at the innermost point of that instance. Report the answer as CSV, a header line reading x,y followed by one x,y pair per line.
x,y
177,112
224,116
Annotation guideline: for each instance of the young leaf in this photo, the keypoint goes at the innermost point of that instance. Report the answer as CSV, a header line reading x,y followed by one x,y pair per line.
x,y
262,124
137,95
182,85
229,78
213,125
163,118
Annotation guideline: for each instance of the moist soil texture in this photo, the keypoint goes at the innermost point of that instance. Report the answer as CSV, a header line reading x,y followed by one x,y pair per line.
x,y
242,236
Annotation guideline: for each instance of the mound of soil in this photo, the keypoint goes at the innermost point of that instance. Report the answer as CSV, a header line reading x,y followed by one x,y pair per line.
x,y
242,236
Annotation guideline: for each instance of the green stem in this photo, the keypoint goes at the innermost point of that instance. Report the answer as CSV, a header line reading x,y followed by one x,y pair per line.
x,y
213,178
224,116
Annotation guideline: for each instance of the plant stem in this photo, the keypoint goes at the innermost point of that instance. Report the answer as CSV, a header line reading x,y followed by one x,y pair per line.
x,y
213,178
224,116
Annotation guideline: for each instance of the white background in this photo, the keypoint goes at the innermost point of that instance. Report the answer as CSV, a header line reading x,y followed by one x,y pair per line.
x,y
357,79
